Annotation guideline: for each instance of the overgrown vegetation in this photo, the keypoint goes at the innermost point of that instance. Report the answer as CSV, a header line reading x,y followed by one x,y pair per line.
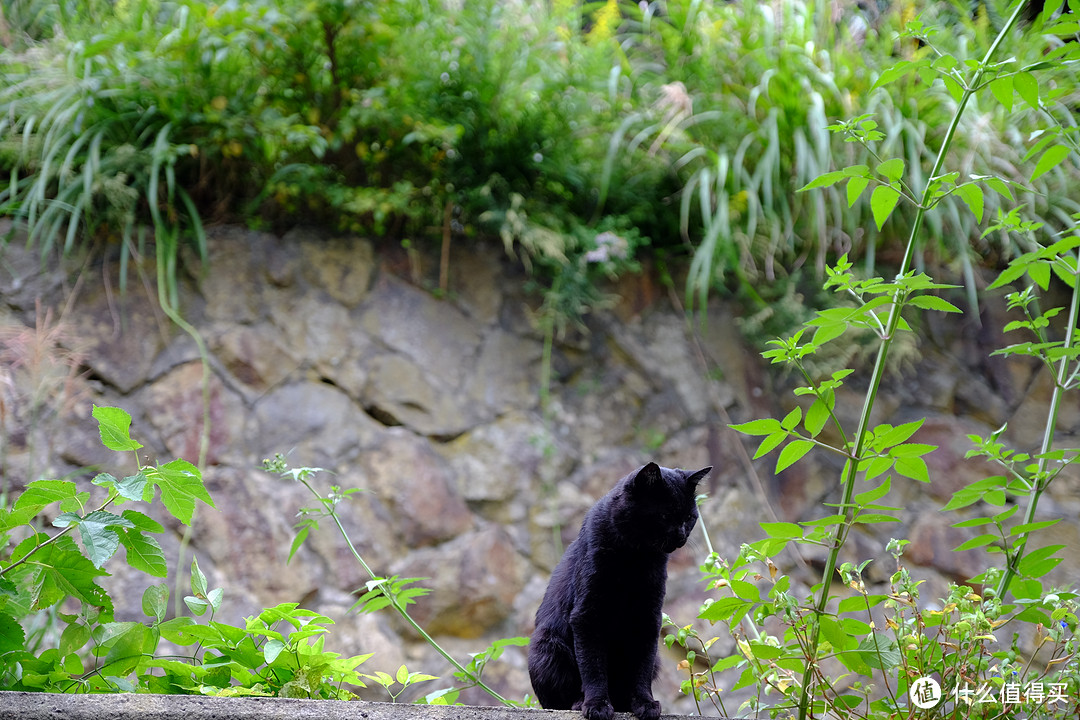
x,y
584,139
863,652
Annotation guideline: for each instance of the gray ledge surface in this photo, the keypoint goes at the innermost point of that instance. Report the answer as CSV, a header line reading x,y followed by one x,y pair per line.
x,y
52,706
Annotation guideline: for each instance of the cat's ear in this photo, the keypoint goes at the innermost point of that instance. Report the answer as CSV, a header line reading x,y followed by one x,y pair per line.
x,y
647,477
692,479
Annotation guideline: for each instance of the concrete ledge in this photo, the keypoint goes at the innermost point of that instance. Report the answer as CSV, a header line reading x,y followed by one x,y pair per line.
x,y
52,706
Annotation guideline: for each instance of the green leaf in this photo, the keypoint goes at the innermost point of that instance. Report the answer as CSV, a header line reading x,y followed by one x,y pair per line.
x,y
40,493
976,542
99,537
155,601
913,467
893,169
868,496
114,424
198,579
855,188
144,553
181,485
972,195
781,529
816,417
909,450
933,302
1002,89
824,180
1027,87
792,419
127,649
898,434
728,609
764,426
12,635
74,638
64,571
1033,526
894,73
1040,273
877,466
1050,159
883,202
771,443
792,453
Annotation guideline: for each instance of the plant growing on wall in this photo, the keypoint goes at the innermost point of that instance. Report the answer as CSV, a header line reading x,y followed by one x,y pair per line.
x,y
897,653
58,632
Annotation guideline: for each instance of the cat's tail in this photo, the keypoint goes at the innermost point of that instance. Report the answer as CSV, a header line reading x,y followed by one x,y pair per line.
x,y
554,672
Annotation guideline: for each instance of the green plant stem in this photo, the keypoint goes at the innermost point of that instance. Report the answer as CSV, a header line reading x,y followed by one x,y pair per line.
x,y
1042,480
891,325
397,605
45,543
204,356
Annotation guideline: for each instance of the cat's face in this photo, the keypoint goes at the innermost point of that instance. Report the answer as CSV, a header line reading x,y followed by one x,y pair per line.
x,y
656,508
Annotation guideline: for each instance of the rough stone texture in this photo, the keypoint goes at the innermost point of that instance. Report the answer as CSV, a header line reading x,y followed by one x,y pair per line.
x,y
330,350
35,706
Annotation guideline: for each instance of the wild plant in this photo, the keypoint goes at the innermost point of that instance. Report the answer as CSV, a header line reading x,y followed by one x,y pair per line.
x,y
865,653
395,593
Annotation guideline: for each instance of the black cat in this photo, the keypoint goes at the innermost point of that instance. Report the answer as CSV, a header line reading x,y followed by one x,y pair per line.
x,y
597,629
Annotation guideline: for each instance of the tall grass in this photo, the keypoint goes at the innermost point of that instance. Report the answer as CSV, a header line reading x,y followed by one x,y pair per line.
x,y
743,95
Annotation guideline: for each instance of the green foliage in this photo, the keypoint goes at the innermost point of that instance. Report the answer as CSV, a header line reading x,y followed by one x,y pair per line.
x,y
857,653
389,592
60,633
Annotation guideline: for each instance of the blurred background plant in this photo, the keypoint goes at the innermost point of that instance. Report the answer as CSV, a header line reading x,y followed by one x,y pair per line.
x,y
540,124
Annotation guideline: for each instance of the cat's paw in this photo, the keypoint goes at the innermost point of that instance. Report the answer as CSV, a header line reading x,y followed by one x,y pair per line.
x,y
598,709
645,709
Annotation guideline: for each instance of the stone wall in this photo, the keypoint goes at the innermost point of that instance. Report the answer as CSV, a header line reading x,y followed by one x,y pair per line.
x,y
333,351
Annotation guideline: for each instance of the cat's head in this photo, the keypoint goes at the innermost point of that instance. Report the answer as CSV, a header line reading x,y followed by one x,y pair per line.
x,y
655,507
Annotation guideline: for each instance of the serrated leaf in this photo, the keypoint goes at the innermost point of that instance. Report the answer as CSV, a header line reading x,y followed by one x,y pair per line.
x,y
1033,526
144,553
181,485
892,74
816,417
933,302
1040,273
41,493
976,542
854,189
877,467
898,434
64,571
972,195
781,529
882,202
792,453
912,467
1002,90
770,443
824,180
99,536
893,169
1050,159
155,601
764,426
868,496
114,425
1027,87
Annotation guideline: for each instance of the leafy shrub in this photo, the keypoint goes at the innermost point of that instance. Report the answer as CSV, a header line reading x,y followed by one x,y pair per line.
x,y
861,653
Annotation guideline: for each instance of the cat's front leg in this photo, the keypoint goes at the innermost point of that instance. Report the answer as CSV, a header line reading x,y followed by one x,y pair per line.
x,y
642,703
644,707
592,664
